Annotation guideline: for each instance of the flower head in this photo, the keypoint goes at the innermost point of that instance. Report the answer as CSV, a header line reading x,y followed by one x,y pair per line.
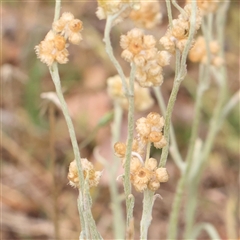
x,y
52,48
176,37
137,47
145,175
140,178
89,173
206,6
106,8
150,129
140,49
142,97
198,53
69,27
148,16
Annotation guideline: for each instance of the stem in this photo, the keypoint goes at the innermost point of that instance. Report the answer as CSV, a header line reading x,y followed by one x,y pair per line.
x,y
148,200
228,107
202,86
192,193
170,106
173,225
57,10
181,10
127,183
109,50
169,12
213,128
90,225
208,228
177,81
56,80
147,152
174,147
52,121
118,219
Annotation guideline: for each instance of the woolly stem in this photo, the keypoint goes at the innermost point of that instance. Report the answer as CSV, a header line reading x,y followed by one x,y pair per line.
x,y
118,219
127,183
173,226
109,50
174,147
169,12
208,228
202,86
57,10
56,80
181,10
177,81
148,200
52,123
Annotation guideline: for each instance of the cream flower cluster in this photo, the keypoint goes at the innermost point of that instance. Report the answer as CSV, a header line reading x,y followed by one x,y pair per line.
x,y
148,16
176,37
150,129
198,53
141,50
69,27
145,175
206,6
54,46
89,173
142,97
106,8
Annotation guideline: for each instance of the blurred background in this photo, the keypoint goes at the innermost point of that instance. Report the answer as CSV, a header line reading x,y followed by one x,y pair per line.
x,y
29,201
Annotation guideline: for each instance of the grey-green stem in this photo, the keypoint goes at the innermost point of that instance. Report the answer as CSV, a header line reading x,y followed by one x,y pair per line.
x,y
173,147
118,219
169,12
177,81
56,80
127,183
148,201
109,50
173,225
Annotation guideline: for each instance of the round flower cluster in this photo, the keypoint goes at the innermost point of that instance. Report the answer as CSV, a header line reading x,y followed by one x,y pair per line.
x,y
148,16
198,53
69,27
141,50
150,129
176,37
142,97
89,173
106,8
145,175
206,6
54,46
